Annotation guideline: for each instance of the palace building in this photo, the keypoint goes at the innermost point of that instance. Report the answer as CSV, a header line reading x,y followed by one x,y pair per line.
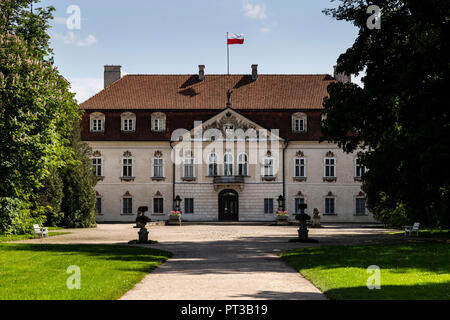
x,y
230,146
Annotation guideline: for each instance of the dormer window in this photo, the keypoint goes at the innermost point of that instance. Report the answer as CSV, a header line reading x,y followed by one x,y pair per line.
x,y
128,122
299,122
97,120
158,122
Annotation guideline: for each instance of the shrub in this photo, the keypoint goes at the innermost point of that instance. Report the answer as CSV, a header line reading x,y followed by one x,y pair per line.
x,y
16,216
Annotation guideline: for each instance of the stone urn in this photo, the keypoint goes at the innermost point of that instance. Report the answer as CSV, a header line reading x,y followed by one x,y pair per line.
x,y
141,221
316,218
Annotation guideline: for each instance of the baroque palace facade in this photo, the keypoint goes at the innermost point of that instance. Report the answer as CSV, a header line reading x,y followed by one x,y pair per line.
x,y
228,145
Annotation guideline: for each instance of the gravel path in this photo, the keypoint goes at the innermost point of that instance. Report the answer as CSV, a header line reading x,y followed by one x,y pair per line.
x,y
223,262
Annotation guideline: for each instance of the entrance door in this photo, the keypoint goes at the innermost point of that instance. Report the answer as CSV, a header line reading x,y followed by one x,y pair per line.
x,y
228,206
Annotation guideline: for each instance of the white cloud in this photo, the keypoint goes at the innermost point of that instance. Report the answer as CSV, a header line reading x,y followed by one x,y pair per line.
x,y
254,11
71,38
84,88
264,30
89,41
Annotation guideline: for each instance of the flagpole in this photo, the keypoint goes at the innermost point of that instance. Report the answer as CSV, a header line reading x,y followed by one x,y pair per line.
x,y
228,56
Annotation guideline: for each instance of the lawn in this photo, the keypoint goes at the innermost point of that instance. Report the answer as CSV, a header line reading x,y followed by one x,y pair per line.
x,y
19,237
39,271
408,271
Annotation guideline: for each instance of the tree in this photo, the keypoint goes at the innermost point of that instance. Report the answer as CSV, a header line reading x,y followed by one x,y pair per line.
x,y
78,203
400,115
39,118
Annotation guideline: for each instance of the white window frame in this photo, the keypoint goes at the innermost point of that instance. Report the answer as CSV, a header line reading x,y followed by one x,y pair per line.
x,y
363,169
300,165
158,122
97,125
301,119
96,166
213,169
270,167
325,167
185,164
227,164
244,163
128,165
154,166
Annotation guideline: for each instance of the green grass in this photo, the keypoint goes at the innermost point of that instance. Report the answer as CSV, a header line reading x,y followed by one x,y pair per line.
x,y
19,237
408,271
38,271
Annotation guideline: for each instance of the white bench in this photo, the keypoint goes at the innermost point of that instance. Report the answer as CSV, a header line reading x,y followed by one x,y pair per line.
x,y
412,229
42,232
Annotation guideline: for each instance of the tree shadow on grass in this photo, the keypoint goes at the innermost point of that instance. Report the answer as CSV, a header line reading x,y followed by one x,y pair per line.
x,y
429,257
107,252
426,291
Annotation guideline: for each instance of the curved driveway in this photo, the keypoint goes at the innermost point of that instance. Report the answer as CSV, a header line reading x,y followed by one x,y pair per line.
x,y
222,262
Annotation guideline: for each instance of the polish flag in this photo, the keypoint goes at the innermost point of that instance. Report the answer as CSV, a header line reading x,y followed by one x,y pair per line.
x,y
235,38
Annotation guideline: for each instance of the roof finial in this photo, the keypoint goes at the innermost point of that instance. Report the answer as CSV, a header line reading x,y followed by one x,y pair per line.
x,y
229,92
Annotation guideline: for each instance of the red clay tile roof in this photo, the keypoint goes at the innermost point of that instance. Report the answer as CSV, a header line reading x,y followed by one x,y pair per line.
x,y
187,92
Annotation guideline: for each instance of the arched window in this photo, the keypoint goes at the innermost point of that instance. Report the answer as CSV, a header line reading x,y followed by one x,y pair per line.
x,y
128,120
97,120
243,164
158,122
299,122
228,164
212,165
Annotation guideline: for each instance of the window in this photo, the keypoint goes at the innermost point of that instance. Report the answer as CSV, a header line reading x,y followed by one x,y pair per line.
x,y
360,206
188,168
127,205
97,166
157,125
97,125
329,206
127,125
243,164
297,202
128,121
359,168
329,167
158,122
299,123
212,165
268,206
299,170
158,168
158,205
228,164
97,122
98,205
127,167
188,205
268,167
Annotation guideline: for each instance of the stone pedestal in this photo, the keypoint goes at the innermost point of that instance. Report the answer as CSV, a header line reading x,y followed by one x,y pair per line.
x,y
143,235
303,231
174,221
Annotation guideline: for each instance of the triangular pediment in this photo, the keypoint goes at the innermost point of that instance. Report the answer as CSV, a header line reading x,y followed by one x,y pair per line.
x,y
229,124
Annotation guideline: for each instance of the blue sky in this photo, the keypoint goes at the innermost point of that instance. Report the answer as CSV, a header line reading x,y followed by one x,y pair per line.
x,y
175,36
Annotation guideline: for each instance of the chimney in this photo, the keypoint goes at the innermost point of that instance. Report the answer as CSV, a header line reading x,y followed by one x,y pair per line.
x,y
254,72
201,72
112,74
341,77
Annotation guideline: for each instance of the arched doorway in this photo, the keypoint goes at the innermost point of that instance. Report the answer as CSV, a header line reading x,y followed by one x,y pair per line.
x,y
228,205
